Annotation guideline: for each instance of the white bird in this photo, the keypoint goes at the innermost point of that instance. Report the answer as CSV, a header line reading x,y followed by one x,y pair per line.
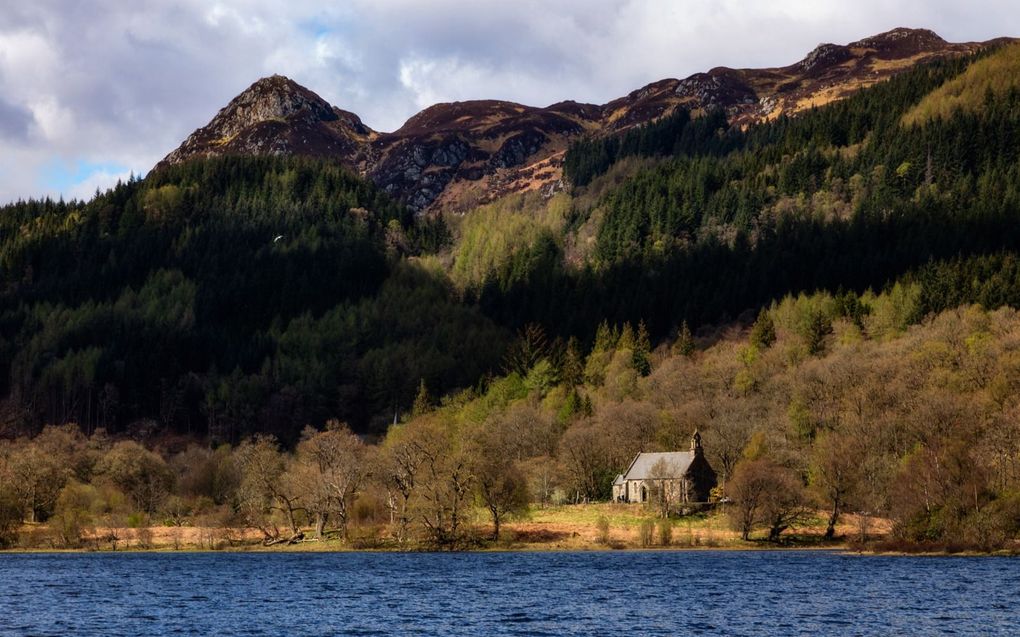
x,y
278,237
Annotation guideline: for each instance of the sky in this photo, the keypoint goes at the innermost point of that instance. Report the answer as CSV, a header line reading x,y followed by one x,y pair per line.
x,y
94,90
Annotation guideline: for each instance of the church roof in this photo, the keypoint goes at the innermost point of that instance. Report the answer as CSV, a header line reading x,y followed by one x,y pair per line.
x,y
677,463
619,479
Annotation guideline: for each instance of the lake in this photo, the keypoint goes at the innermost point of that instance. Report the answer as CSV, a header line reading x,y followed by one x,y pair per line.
x,y
626,593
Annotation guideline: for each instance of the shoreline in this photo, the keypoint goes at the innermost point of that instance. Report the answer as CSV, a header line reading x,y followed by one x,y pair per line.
x,y
333,546
843,550
584,528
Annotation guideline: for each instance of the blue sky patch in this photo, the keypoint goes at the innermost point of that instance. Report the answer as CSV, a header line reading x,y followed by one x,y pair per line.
x,y
61,176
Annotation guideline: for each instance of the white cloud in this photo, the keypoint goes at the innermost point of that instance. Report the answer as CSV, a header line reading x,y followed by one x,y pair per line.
x,y
126,88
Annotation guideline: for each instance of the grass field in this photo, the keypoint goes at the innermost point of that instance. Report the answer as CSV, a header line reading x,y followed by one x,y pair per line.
x,y
598,526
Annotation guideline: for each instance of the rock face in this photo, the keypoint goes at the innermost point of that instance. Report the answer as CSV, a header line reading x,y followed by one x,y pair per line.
x,y
452,156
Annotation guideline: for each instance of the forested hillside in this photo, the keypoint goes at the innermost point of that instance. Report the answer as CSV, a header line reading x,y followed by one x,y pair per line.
x,y
226,297
846,196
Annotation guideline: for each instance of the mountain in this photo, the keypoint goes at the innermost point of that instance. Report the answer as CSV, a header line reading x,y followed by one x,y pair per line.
x,y
276,116
455,155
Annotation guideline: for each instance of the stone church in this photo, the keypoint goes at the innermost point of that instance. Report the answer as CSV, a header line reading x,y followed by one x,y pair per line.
x,y
685,476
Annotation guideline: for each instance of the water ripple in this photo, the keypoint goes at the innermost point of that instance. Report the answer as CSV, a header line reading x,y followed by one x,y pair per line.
x,y
648,593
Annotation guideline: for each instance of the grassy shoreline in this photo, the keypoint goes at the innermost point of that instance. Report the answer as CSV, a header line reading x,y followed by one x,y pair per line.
x,y
568,528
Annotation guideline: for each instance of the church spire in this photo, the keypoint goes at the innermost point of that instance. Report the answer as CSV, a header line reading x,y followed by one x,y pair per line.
x,y
696,443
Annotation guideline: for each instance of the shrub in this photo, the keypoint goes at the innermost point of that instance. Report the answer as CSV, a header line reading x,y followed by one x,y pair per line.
x,y
144,537
646,533
74,513
665,532
602,527
10,518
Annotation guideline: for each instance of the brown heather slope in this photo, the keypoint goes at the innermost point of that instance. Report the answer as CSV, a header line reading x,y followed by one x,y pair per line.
x,y
453,156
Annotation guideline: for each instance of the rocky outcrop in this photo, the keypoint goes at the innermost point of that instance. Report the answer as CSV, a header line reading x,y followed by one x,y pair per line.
x,y
900,43
275,115
719,88
824,57
450,156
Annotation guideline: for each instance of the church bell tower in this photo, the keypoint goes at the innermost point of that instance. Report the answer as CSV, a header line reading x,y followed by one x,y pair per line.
x,y
696,444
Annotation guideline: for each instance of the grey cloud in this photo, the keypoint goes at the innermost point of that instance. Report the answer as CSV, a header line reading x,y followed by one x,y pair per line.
x,y
128,80
15,122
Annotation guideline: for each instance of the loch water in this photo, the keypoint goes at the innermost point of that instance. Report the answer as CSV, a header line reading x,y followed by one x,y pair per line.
x,y
484,594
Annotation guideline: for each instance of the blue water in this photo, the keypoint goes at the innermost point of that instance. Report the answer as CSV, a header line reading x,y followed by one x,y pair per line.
x,y
648,593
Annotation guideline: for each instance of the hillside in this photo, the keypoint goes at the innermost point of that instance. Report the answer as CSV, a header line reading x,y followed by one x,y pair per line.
x,y
453,156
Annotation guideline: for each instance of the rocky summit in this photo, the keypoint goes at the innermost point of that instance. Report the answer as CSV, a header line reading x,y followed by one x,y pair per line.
x,y
452,156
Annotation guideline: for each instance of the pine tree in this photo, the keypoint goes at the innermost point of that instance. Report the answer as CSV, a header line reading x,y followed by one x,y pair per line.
x,y
572,372
642,351
605,339
763,332
422,401
626,340
684,345
818,327
531,347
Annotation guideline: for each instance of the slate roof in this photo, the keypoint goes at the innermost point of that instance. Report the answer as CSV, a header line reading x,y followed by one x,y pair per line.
x,y
641,468
619,480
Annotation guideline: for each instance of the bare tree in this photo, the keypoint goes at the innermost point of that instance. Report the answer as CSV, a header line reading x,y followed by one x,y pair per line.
x,y
785,504
501,486
206,473
36,479
729,433
835,473
543,476
445,484
666,486
11,512
586,461
263,488
747,489
400,465
331,465
142,474
768,494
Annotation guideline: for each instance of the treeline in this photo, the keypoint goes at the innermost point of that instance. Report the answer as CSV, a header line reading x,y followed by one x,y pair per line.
x,y
224,297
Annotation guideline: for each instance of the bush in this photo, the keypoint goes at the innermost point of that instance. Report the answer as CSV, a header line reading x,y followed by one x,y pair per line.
x,y
144,537
665,532
646,533
602,527
73,516
11,515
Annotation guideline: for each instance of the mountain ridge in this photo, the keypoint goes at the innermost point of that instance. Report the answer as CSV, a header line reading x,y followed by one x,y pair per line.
x,y
451,156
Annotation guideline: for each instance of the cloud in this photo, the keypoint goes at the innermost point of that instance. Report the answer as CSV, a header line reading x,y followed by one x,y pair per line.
x,y
15,122
115,84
